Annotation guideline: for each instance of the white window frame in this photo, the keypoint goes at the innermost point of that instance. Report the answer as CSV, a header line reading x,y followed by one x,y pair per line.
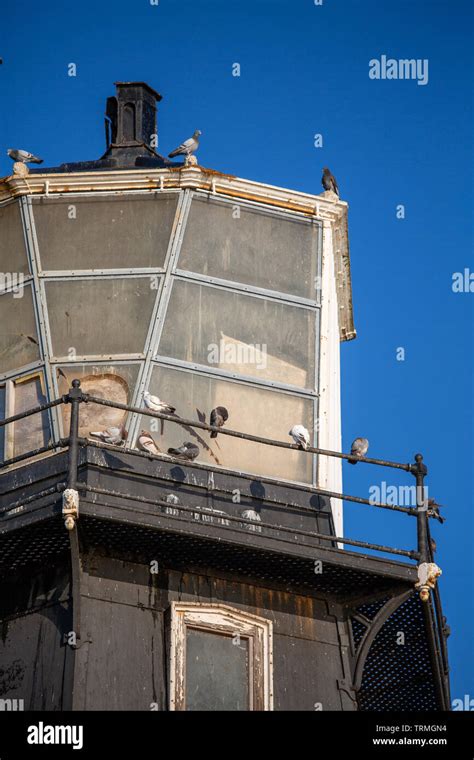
x,y
226,620
10,390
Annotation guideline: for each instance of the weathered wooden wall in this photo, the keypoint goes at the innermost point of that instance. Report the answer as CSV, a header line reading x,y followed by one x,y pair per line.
x,y
35,661
121,662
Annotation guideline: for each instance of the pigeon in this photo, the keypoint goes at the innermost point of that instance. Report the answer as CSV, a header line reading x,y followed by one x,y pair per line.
x,y
154,403
146,443
359,449
23,157
113,435
188,147
219,416
445,627
300,436
187,451
329,181
433,511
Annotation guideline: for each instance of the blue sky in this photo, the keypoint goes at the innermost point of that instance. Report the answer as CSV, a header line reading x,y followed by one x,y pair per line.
x,y
304,70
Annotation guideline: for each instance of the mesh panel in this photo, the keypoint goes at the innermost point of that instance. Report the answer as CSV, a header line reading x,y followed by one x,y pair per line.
x,y
398,676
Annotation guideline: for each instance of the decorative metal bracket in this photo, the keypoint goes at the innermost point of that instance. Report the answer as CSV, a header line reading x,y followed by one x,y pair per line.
x,y
70,508
428,573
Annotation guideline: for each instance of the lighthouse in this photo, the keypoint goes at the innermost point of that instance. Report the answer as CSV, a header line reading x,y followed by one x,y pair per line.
x,y
145,580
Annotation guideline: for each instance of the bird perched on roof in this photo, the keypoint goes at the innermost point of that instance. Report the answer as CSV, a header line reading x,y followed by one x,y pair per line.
x,y
146,442
300,436
359,449
113,435
329,181
187,451
156,405
219,416
23,157
188,147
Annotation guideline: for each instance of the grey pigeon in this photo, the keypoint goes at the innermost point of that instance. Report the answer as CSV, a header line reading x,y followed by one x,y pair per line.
x,y
300,436
329,181
433,510
219,416
187,451
147,443
445,627
113,435
188,147
23,157
359,449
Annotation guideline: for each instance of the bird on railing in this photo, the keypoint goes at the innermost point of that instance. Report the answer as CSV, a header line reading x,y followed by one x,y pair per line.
x,y
433,510
219,416
188,451
112,435
359,449
146,442
300,436
156,405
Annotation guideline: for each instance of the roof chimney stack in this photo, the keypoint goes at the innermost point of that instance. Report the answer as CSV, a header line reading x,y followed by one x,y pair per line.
x,y
130,123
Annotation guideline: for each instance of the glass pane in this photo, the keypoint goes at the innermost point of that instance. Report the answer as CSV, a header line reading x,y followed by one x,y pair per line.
x,y
12,243
256,248
241,334
3,400
104,233
32,432
251,410
110,382
217,672
121,307
18,337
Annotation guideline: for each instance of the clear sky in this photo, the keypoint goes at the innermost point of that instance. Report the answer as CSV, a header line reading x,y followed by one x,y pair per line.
x,y
305,70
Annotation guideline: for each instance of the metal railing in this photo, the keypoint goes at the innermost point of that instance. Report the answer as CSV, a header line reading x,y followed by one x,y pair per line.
x,y
423,553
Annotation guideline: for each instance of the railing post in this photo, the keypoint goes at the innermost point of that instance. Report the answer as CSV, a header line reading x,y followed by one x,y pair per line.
x,y
420,471
70,495
428,572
